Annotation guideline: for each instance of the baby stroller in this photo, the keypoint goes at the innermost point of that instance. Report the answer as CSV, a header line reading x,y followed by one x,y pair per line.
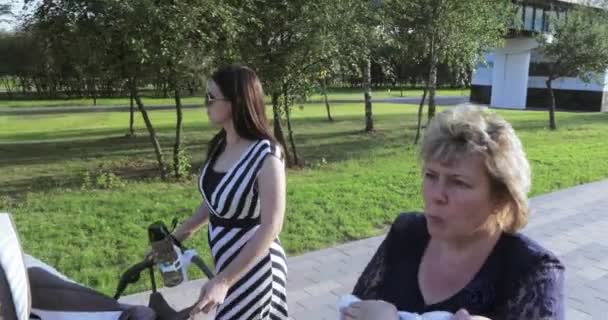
x,y
156,301
31,289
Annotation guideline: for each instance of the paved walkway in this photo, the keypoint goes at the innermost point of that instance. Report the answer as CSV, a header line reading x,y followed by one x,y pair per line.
x,y
573,223
440,100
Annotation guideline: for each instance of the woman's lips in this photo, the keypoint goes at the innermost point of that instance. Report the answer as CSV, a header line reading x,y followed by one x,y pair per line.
x,y
434,219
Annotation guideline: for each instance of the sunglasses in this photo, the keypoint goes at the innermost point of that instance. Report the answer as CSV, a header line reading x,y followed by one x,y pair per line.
x,y
209,99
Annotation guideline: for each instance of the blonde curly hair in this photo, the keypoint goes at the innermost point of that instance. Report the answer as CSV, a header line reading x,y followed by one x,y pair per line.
x,y
469,130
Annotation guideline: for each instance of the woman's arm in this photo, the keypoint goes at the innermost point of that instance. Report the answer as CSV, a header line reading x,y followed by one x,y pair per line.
x,y
198,219
540,296
369,282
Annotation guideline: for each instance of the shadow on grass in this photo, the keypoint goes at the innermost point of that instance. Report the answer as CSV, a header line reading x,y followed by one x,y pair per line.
x,y
133,158
21,186
58,151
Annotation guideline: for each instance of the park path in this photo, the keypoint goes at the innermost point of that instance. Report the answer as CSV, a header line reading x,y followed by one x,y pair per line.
x,y
573,223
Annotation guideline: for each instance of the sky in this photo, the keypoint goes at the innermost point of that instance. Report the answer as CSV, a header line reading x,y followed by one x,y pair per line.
x,y
17,6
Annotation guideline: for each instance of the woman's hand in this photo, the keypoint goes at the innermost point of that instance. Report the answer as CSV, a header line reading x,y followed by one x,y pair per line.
x,y
463,314
369,310
212,294
150,255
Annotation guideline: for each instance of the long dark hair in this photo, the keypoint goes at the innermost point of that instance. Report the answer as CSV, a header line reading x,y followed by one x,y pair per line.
x,y
242,87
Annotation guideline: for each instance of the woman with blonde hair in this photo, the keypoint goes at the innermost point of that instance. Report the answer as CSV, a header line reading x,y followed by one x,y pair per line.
x,y
464,255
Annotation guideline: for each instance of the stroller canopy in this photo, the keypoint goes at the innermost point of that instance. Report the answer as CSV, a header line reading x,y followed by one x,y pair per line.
x,y
31,289
14,285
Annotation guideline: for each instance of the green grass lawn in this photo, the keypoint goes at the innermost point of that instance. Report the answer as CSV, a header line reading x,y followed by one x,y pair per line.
x,y
353,185
335,94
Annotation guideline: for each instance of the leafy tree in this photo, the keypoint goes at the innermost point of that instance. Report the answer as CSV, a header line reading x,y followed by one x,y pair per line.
x,y
577,47
135,42
181,37
451,32
366,35
287,43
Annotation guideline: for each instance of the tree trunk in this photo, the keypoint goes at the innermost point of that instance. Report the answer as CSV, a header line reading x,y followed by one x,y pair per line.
x,y
329,118
432,81
53,89
94,92
23,83
278,129
432,86
6,81
37,88
552,105
159,154
286,104
80,87
367,82
131,131
191,88
178,135
419,127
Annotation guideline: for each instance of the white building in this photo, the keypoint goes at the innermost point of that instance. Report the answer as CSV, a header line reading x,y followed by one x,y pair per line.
x,y
514,76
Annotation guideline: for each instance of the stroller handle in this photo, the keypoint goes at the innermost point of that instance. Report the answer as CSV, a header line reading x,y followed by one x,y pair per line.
x,y
202,266
131,276
156,300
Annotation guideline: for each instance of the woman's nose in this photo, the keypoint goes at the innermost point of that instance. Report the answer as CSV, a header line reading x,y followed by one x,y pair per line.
x,y
439,192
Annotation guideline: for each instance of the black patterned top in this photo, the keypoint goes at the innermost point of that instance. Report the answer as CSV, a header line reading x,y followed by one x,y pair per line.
x,y
519,279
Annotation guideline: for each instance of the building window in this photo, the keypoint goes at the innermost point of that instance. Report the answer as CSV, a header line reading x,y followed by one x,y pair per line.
x,y
538,69
529,18
538,19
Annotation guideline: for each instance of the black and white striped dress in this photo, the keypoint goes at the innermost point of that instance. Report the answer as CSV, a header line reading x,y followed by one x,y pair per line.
x,y
234,204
